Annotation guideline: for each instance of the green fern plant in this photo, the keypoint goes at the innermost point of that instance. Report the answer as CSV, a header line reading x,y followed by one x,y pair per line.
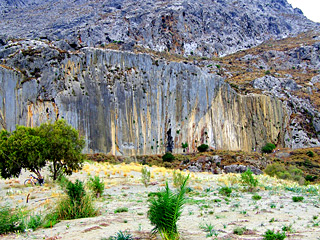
x,y
165,210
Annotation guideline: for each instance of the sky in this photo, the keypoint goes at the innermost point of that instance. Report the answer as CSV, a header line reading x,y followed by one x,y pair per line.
x,y
310,8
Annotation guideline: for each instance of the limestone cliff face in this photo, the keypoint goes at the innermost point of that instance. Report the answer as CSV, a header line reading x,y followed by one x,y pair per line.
x,y
127,103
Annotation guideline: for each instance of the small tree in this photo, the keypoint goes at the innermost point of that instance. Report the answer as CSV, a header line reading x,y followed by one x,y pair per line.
x,y
63,147
21,149
31,149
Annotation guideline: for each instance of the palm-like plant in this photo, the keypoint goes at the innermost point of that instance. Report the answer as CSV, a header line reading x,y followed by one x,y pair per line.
x,y
165,210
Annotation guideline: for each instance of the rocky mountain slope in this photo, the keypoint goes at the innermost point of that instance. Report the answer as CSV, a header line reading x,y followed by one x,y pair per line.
x,y
144,77
186,27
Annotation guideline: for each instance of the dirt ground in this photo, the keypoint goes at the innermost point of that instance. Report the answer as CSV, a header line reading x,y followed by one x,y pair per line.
x,y
204,207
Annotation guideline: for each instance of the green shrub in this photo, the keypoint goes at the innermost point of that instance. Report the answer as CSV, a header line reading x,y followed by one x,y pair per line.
x,y
310,153
75,191
168,157
268,148
96,185
281,171
297,198
178,179
239,230
226,191
121,209
34,222
77,204
256,197
68,209
121,236
165,210
184,145
248,180
11,220
145,176
311,178
50,220
203,148
271,235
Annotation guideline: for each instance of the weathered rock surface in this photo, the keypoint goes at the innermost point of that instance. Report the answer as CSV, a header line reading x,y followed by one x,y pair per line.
x,y
127,103
187,27
241,169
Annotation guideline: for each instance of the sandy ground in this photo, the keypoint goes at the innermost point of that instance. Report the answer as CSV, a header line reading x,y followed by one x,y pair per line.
x,y
204,206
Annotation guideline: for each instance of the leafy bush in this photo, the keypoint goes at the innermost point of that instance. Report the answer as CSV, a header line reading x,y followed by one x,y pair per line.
x,y
248,179
268,148
96,185
145,177
203,148
10,220
165,210
226,191
168,157
297,199
121,236
271,235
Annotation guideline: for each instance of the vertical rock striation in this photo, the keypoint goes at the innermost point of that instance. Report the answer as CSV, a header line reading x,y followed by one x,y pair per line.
x,y
126,103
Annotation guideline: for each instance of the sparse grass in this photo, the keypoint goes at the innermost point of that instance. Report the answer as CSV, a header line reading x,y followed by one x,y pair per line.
x,y
239,230
35,221
226,191
121,209
11,220
121,236
209,229
256,197
77,204
287,228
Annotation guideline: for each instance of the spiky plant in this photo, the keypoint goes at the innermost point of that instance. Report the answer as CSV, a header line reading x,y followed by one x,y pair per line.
x,y
165,210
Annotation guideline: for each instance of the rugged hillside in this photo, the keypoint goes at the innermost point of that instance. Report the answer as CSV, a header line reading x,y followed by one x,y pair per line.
x,y
186,27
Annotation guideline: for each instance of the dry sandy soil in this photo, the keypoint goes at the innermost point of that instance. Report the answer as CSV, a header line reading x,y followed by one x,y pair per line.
x,y
276,210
